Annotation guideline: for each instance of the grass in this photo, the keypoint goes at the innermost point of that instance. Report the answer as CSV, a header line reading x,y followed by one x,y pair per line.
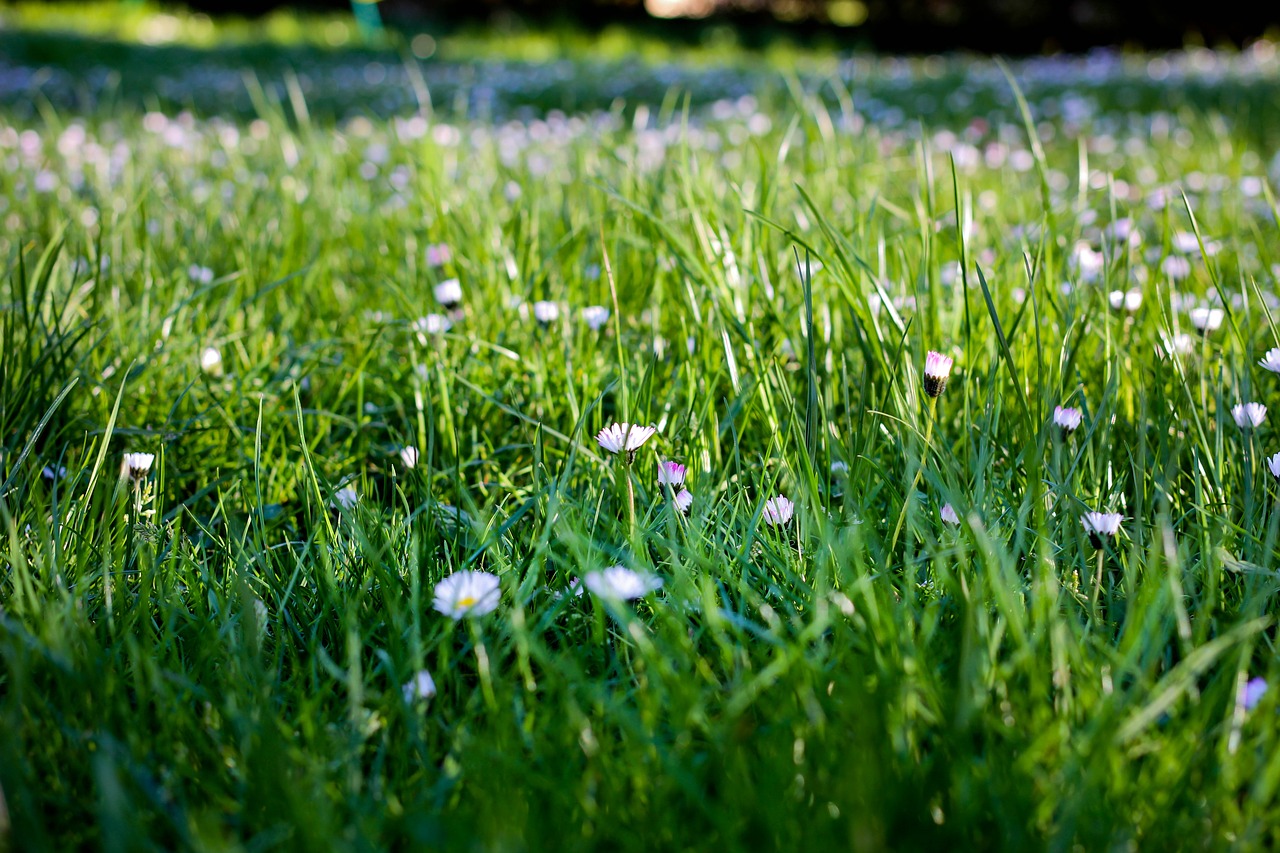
x,y
212,656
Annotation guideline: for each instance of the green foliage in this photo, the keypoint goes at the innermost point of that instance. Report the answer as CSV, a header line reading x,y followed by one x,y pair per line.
x,y
213,656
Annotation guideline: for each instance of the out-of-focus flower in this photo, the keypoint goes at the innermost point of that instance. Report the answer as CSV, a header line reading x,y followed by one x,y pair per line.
x,y
619,582
1101,526
467,593
1067,418
595,316
1249,415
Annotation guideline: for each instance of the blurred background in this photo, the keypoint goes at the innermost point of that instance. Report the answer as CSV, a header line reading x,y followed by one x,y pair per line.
x,y
900,26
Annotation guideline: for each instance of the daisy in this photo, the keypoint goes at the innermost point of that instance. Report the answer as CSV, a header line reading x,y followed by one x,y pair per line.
x,y
839,468
211,360
1251,692
438,255
344,498
432,324
619,582
1101,526
448,293
671,474
1129,300
1067,418
1180,343
1249,415
937,369
57,472
618,437
1206,320
409,456
467,593
1271,361
1274,465
545,312
595,316
421,686
1176,267
136,465
683,500
778,511
948,514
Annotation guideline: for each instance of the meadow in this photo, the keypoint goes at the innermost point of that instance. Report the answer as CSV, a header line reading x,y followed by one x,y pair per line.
x,y
317,532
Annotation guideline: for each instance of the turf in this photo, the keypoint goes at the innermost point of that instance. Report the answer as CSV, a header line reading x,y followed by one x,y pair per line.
x,y
212,654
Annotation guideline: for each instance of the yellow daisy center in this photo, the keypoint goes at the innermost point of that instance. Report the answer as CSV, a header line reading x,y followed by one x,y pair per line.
x,y
467,601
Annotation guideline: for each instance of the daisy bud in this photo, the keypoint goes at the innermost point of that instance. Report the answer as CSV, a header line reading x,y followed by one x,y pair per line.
x,y
1249,415
1207,320
137,465
1067,418
409,456
948,514
449,293
778,511
1101,526
937,369
1271,361
1274,465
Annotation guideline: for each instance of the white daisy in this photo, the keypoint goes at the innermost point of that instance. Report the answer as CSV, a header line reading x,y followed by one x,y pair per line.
x,y
546,312
1067,418
1274,465
1129,300
619,582
1101,526
409,456
448,292
344,498
467,593
618,437
948,514
1271,361
421,686
136,465
778,511
1206,320
1249,415
432,324
211,360
595,316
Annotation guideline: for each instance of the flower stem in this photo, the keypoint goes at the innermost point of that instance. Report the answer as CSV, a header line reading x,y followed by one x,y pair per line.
x,y
924,457
631,501
1097,585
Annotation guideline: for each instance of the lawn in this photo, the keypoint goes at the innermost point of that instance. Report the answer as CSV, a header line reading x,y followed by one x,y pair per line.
x,y
317,532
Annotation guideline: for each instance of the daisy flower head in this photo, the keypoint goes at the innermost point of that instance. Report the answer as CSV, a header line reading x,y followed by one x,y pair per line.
x,y
409,456
671,474
1252,691
683,500
438,254
467,593
1101,526
211,360
137,465
948,514
432,324
545,312
778,511
1206,319
344,498
1249,415
1273,464
620,583
1067,418
1271,361
1128,300
595,316
449,293
57,472
937,369
616,438
421,686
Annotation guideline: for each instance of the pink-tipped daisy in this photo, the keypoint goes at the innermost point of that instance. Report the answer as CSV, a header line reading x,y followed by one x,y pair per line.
x,y
937,369
1249,415
1101,526
778,511
1067,418
671,474
683,500
948,514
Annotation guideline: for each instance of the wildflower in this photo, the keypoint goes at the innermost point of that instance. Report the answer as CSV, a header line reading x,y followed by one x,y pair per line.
x,y
1271,361
1176,267
467,593
136,465
344,498
1129,300
619,582
1249,415
671,474
1180,343
211,361
1101,526
199,274
432,324
1252,691
1206,320
421,686
683,500
595,316
1274,465
57,472
778,511
948,514
617,437
1067,418
449,293
937,369
409,456
545,312
438,254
